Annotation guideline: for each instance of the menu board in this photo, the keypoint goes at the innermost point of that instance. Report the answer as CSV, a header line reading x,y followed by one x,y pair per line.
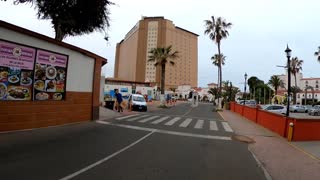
x,y
50,76
16,71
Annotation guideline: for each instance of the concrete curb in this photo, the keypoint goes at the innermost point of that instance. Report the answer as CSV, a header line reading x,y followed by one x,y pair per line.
x,y
265,172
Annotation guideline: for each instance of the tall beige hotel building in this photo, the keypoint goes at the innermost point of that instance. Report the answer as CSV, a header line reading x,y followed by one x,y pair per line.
x,y
131,62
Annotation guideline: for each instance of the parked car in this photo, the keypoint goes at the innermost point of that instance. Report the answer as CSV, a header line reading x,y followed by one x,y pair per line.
x,y
308,108
137,102
298,108
276,108
315,111
252,103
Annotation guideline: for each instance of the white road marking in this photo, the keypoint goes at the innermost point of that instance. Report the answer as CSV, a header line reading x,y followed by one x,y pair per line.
x,y
148,119
194,135
160,120
127,126
226,127
126,117
186,122
136,118
199,124
213,126
172,121
105,159
168,132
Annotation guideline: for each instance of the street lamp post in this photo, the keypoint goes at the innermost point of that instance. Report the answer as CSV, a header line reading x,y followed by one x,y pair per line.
x,y
245,88
288,53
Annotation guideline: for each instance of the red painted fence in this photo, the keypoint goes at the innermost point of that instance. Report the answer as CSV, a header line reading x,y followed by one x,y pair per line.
x,y
304,129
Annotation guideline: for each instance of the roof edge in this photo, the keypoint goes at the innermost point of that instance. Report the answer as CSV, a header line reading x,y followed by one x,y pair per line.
x,y
51,40
186,31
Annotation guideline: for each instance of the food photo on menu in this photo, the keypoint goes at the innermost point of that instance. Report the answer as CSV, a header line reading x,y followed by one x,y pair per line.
x,y
3,91
4,72
50,86
26,78
14,75
61,74
40,71
18,93
42,96
3,82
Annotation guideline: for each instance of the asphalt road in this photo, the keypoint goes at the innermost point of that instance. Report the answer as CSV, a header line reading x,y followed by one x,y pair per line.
x,y
179,143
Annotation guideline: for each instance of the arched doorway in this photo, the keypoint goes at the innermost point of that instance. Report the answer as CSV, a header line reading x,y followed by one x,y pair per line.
x,y
305,100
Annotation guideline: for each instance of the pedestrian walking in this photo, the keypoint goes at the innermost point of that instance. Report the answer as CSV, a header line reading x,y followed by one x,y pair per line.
x,y
119,100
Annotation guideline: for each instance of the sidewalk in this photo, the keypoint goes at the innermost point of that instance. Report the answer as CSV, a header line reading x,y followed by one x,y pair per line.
x,y
281,159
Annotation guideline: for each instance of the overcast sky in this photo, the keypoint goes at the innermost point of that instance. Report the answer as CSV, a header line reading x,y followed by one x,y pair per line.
x,y
259,35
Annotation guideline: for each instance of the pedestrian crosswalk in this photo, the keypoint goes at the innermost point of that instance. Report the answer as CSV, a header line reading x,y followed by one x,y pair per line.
x,y
181,122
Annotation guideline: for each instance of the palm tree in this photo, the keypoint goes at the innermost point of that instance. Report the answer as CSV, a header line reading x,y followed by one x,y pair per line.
x,y
295,90
296,67
161,57
275,82
217,30
216,59
317,53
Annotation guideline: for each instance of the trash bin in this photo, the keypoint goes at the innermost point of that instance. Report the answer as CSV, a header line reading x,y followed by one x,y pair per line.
x,y
109,104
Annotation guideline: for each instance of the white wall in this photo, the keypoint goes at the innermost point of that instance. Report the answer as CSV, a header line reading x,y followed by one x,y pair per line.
x,y
109,87
80,67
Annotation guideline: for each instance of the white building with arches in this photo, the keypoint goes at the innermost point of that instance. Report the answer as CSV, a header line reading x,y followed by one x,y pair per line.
x,y
310,88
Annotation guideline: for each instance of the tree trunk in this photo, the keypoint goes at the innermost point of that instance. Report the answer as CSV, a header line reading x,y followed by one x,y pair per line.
x,y
220,73
59,35
217,95
163,77
295,92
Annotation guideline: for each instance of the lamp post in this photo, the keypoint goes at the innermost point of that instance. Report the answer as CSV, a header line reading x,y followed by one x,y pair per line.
x,y
245,88
288,53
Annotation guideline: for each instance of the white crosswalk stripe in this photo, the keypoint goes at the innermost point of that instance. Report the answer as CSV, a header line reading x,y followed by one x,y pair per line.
x,y
148,119
160,120
226,127
213,126
172,121
136,118
126,117
199,124
186,122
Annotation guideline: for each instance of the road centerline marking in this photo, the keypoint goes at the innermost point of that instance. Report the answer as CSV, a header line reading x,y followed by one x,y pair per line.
x,y
106,158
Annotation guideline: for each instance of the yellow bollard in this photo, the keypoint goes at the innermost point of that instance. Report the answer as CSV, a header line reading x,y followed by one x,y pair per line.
x,y
290,131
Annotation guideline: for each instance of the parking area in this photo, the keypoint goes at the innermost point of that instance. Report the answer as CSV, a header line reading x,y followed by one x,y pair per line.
x,y
303,116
